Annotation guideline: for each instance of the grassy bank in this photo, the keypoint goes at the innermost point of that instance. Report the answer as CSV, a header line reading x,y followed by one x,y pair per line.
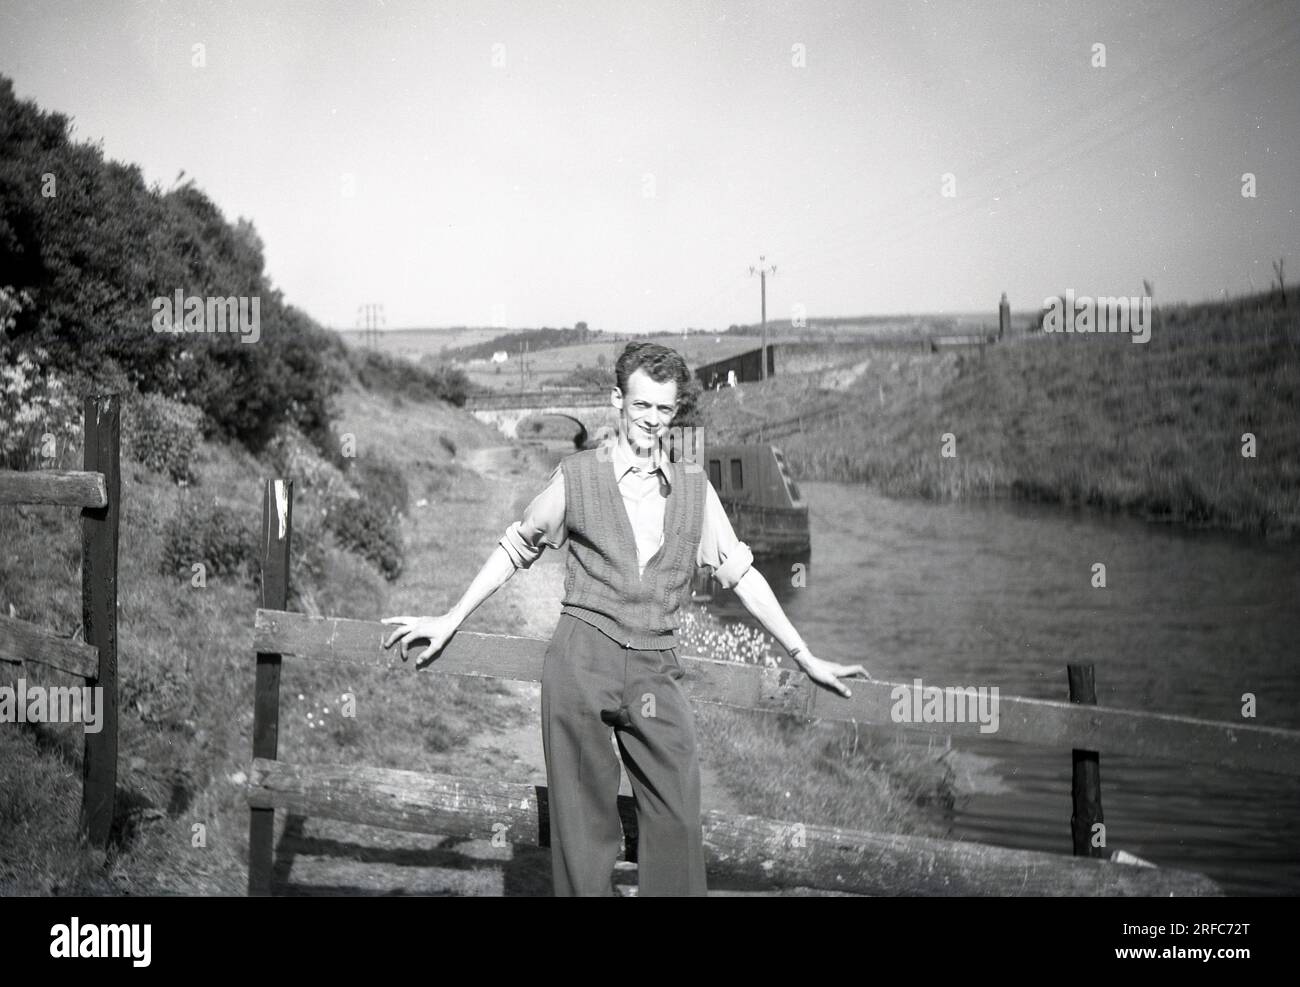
x,y
1152,429
186,675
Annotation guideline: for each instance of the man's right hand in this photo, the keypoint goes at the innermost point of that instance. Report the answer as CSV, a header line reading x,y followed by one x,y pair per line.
x,y
436,630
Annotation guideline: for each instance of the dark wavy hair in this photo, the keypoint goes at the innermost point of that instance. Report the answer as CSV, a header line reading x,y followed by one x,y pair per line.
x,y
660,362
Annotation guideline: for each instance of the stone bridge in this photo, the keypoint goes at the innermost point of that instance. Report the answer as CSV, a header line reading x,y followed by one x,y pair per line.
x,y
587,409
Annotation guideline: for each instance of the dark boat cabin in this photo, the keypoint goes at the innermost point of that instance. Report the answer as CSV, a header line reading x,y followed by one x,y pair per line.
x,y
763,502
751,474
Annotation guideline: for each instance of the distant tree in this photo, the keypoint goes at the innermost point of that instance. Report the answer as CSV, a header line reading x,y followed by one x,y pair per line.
x,y
97,255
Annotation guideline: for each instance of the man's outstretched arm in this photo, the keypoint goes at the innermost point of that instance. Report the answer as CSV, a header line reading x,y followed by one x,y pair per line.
x,y
494,574
757,596
519,548
733,567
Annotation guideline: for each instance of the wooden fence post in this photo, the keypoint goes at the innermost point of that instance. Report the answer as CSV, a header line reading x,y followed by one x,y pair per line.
x,y
277,525
99,542
1085,784
1004,318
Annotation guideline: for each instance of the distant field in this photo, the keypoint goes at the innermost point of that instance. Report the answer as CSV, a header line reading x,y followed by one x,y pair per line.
x,y
415,343
548,366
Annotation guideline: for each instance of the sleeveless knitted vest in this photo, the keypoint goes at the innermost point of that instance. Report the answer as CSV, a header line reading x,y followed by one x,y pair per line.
x,y
601,581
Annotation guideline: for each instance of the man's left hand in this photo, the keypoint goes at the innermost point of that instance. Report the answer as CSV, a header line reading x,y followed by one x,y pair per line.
x,y
827,674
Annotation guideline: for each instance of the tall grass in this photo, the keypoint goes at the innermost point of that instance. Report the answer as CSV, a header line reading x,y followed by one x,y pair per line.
x,y
1154,429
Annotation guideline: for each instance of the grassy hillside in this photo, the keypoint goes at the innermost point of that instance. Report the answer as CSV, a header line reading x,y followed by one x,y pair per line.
x,y
1153,429
186,671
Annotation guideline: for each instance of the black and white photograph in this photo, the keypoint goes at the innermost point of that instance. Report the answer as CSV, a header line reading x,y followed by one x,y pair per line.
x,y
581,448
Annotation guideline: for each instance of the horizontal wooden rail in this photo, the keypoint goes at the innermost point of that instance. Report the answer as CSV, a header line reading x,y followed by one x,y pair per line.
x,y
1040,722
774,853
69,488
21,642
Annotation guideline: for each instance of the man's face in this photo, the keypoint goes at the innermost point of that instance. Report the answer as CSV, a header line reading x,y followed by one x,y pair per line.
x,y
645,409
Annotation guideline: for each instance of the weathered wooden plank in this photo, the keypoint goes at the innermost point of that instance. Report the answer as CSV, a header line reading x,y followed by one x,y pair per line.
x,y
99,544
762,850
68,488
21,642
277,529
1040,722
336,639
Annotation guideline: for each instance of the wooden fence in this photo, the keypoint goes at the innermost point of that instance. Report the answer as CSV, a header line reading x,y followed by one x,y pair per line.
x,y
96,491
745,847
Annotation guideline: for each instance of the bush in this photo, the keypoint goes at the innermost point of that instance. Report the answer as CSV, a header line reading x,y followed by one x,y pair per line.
x,y
601,378
39,417
158,693
39,413
216,536
381,482
308,552
348,585
292,455
162,434
369,530
395,376
93,280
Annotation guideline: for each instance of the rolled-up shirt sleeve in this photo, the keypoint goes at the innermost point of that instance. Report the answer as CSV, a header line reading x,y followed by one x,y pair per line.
x,y
720,549
542,525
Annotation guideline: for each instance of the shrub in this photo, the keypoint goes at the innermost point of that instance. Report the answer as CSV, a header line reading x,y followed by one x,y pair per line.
x,y
393,375
601,378
162,434
369,530
39,417
347,585
93,269
381,482
39,413
213,535
158,693
308,552
291,454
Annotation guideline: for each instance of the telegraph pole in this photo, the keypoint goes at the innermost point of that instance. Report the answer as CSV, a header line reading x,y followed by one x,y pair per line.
x,y
763,271
369,318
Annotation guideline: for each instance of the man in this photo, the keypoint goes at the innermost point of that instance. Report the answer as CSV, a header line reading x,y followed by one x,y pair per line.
x,y
637,524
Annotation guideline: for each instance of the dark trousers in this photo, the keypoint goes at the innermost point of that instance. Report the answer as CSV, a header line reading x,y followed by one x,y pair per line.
x,y
592,686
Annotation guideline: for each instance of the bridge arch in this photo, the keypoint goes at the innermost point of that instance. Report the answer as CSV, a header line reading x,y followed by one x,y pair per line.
x,y
588,410
580,436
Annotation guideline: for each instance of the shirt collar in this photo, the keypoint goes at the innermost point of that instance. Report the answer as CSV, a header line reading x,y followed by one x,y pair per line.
x,y
624,460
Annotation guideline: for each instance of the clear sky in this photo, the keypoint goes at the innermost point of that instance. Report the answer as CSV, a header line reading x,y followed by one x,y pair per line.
x,y
624,163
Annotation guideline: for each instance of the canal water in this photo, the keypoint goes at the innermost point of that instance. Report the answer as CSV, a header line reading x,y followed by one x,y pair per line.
x,y
1001,594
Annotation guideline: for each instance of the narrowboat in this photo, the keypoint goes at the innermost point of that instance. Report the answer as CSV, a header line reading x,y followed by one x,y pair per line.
x,y
763,502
